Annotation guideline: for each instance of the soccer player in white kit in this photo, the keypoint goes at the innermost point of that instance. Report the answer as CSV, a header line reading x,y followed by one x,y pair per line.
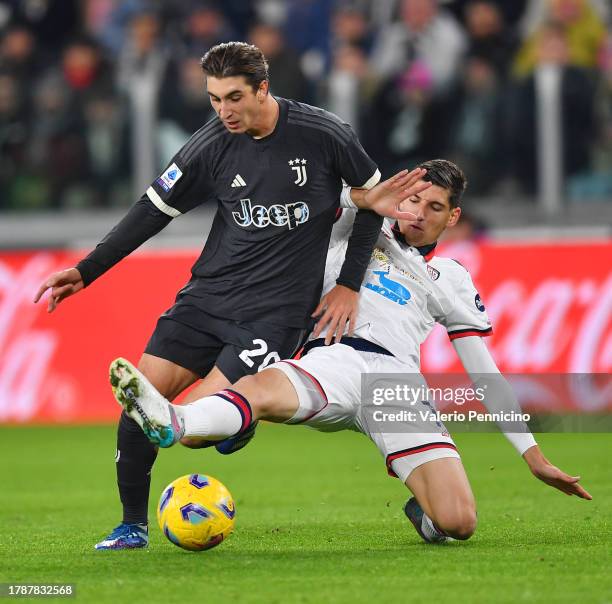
x,y
406,290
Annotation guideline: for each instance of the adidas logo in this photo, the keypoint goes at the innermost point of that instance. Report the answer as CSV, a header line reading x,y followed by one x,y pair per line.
x,y
238,181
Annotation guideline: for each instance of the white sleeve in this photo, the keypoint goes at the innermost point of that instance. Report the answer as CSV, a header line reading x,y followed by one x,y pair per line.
x,y
333,265
467,316
480,366
343,227
346,201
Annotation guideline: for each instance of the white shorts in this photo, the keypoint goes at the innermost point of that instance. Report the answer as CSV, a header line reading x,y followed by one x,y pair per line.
x,y
328,381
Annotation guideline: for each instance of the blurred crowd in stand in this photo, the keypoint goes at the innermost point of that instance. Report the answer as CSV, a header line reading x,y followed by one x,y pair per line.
x,y
97,95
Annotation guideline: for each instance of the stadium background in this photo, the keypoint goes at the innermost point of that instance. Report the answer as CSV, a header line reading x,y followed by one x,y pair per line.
x,y
96,96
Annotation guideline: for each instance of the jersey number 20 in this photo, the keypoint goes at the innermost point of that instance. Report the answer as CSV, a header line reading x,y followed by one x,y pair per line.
x,y
246,356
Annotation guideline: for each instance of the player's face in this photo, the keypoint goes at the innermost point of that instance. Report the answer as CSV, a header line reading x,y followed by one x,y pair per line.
x,y
235,102
434,213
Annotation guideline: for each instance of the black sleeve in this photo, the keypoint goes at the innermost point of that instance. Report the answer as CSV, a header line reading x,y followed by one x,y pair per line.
x,y
183,185
366,229
142,222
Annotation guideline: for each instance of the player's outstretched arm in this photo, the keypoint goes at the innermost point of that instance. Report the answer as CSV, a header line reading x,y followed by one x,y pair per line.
x,y
142,221
482,369
542,468
62,284
387,196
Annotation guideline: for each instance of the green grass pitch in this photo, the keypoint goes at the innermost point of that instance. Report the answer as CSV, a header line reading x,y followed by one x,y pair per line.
x,y
318,521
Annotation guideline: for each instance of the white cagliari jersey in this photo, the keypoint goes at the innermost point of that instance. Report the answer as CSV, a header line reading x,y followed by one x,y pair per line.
x,y
404,294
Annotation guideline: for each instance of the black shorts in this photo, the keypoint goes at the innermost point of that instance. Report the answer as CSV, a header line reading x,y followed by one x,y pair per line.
x,y
198,341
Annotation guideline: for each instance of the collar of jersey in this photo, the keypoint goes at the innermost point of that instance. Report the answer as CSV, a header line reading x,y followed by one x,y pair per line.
x,y
280,123
427,251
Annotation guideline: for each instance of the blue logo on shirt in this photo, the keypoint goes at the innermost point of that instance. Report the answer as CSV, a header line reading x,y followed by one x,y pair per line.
x,y
392,290
172,174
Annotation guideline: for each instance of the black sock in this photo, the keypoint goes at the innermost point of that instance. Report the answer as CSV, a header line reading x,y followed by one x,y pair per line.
x,y
135,460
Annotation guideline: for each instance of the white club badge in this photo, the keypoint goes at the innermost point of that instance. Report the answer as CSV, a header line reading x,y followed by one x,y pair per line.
x,y
299,165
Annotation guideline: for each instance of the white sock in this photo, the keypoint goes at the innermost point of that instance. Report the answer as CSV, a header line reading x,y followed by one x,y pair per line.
x,y
215,416
430,531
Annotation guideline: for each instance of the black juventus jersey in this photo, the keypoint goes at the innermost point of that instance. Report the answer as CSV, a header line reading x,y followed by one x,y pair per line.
x,y
277,198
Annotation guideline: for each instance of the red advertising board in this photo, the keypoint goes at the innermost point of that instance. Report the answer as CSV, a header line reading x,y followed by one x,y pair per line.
x,y
550,305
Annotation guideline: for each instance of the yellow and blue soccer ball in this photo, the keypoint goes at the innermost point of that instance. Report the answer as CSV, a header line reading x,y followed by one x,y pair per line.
x,y
196,512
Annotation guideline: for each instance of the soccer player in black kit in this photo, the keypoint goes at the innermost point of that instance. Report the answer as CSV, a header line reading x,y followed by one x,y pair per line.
x,y
275,169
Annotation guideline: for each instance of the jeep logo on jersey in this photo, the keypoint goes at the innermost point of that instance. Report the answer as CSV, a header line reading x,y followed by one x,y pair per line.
x,y
289,214
299,166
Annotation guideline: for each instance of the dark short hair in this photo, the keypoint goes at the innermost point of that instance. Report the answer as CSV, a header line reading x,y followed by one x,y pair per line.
x,y
447,175
236,59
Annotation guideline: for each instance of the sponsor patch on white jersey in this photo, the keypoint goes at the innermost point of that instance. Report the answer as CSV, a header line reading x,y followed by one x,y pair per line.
x,y
168,179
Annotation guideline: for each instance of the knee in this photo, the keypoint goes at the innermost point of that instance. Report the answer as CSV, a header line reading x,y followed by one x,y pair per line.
x,y
254,389
458,524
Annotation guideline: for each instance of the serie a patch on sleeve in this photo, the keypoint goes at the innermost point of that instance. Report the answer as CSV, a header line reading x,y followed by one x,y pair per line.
x,y
168,179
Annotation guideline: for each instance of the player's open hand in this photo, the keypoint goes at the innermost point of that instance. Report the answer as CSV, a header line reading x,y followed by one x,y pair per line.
x,y
336,308
387,197
62,284
542,468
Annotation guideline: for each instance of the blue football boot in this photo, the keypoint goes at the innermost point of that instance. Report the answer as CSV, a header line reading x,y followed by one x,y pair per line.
x,y
126,536
414,513
235,443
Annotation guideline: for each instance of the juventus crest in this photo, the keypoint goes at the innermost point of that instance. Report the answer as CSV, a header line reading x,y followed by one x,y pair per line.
x,y
299,165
